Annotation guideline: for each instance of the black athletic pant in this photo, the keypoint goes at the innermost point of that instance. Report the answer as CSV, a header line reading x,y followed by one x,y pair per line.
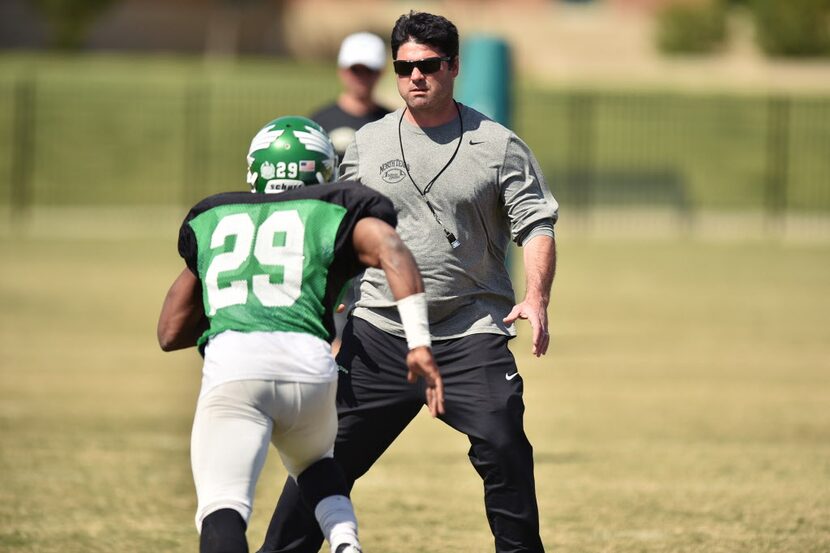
x,y
483,399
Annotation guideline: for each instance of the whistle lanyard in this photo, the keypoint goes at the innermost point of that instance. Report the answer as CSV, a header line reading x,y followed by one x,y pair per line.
x,y
450,236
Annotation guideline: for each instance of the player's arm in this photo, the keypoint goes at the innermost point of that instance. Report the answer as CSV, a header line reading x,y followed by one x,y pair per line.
x,y
540,268
378,245
182,319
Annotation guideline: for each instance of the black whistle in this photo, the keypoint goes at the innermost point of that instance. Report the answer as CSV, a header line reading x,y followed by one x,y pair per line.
x,y
452,239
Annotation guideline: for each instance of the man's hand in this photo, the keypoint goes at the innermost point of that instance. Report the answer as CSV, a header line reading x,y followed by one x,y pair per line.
x,y
421,363
537,314
540,266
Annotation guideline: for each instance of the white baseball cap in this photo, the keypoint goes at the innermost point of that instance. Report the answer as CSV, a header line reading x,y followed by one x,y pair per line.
x,y
362,49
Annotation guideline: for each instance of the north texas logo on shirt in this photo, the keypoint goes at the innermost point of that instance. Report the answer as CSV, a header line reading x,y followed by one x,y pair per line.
x,y
393,171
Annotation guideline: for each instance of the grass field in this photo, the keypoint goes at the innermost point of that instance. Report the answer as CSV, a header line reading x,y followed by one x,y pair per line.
x,y
683,406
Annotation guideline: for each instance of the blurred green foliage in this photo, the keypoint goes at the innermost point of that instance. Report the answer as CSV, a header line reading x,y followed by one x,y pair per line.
x,y
691,28
795,28
791,28
70,19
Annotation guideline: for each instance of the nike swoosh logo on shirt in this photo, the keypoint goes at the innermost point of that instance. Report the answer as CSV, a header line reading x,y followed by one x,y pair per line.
x,y
474,143
511,376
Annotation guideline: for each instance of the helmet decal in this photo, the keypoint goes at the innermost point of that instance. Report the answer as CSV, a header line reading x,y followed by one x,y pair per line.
x,y
315,140
264,138
267,170
290,152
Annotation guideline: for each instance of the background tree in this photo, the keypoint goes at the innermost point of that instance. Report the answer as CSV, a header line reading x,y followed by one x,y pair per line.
x,y
70,20
692,27
793,28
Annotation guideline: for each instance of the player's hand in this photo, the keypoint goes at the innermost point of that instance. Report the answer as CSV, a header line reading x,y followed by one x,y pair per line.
x,y
421,363
340,308
537,314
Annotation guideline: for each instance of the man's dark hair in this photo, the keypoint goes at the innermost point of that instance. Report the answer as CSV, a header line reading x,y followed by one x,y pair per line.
x,y
425,28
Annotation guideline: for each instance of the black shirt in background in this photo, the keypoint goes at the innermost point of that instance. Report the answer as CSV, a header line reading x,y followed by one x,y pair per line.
x,y
341,126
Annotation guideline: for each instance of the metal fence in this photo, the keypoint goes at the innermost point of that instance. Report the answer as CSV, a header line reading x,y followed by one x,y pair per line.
x,y
133,138
688,151
137,139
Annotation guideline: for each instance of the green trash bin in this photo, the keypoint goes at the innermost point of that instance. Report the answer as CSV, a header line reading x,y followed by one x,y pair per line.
x,y
485,80
485,84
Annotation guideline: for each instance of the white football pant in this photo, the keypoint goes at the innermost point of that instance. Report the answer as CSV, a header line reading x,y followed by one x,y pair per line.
x,y
234,423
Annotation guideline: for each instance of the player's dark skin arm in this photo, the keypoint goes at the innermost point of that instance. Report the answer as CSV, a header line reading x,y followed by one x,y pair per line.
x,y
182,319
378,245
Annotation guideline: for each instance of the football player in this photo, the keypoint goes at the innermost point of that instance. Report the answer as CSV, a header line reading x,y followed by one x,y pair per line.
x,y
264,272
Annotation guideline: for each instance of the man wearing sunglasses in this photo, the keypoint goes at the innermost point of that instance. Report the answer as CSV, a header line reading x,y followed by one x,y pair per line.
x,y
463,186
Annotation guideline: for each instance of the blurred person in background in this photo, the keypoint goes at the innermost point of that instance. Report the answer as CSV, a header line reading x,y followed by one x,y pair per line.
x,y
360,64
463,187
257,293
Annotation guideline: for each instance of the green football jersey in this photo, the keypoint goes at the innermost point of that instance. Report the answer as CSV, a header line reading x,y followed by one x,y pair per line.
x,y
277,262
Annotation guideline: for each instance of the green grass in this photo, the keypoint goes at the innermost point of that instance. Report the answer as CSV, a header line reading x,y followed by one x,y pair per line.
x,y
151,130
682,408
155,130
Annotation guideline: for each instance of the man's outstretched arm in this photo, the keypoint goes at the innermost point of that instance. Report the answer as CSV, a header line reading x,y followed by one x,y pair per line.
x,y
540,268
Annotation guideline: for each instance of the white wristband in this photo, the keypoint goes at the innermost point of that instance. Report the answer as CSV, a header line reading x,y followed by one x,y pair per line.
x,y
413,311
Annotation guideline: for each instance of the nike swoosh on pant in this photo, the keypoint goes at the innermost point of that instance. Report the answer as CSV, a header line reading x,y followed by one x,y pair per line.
x,y
510,376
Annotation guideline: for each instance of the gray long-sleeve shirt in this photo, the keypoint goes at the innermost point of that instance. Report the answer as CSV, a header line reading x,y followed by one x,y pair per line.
x,y
493,191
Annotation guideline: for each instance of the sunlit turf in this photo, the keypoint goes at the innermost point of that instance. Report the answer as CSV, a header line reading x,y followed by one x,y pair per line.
x,y
682,406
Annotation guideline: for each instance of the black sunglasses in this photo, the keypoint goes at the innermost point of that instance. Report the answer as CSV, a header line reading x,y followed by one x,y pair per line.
x,y
426,66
